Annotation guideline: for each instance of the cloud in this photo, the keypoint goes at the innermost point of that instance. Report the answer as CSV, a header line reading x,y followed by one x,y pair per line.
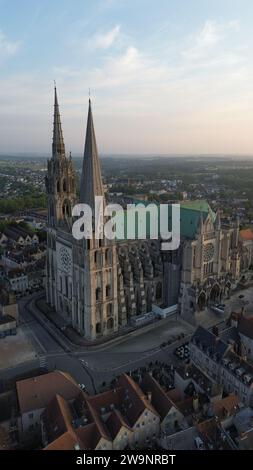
x,y
106,40
7,47
143,100
208,37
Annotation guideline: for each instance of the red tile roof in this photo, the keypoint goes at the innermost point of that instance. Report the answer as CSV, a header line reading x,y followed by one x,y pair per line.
x,y
135,401
175,395
246,234
89,436
57,417
35,393
159,399
122,407
115,422
67,441
226,406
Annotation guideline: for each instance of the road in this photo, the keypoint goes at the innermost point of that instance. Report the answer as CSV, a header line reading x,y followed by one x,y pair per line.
x,y
93,366
89,366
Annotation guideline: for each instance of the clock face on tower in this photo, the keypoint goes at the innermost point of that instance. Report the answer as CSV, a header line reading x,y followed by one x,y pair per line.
x,y
208,252
65,259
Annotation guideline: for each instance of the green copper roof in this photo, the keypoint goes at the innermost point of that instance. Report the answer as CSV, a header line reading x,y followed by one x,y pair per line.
x,y
190,216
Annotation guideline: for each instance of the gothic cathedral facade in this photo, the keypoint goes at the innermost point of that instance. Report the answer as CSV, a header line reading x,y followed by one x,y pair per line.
x,y
100,286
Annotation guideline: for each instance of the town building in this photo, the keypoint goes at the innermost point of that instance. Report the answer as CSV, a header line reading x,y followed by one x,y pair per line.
x,y
34,395
223,363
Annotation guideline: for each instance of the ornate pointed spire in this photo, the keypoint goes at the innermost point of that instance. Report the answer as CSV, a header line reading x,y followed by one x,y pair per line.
x,y
58,147
91,180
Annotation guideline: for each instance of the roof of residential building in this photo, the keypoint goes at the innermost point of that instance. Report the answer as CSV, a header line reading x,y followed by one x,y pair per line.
x,y
115,422
133,394
61,431
226,406
158,397
175,395
89,436
67,441
36,392
209,343
57,417
197,376
246,234
239,367
127,398
213,435
108,412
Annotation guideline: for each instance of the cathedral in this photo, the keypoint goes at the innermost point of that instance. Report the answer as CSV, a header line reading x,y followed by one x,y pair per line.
x,y
100,286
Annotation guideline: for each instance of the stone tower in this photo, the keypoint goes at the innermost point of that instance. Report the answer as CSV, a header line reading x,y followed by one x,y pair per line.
x,y
100,291
61,196
60,181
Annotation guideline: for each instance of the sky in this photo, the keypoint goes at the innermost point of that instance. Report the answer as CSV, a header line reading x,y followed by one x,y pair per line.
x,y
165,76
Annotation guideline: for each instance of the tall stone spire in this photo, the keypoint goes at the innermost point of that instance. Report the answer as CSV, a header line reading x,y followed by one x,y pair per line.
x,y
58,147
91,180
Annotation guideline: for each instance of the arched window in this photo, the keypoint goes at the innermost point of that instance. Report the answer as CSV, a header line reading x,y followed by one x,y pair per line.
x,y
107,256
98,294
98,328
58,186
108,291
64,186
66,208
110,323
109,310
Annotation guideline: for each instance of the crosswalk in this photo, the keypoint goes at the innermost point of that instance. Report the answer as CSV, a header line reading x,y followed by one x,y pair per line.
x,y
43,362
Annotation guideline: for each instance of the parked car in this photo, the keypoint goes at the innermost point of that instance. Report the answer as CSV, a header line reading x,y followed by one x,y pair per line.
x,y
219,308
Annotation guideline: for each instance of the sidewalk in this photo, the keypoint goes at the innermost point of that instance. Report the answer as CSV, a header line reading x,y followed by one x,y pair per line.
x,y
104,343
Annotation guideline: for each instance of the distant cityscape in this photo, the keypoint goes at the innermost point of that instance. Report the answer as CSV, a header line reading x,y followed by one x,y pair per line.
x,y
225,182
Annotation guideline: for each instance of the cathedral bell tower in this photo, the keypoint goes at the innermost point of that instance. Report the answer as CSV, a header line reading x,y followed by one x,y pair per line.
x,y
60,180
99,263
61,195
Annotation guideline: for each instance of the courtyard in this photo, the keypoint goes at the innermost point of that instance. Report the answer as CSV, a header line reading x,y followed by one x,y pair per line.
x,y
15,350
